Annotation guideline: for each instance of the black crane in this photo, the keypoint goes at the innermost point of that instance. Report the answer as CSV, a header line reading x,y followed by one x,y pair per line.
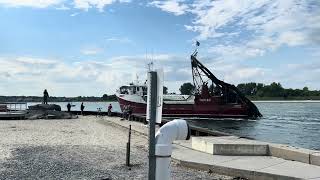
x,y
230,93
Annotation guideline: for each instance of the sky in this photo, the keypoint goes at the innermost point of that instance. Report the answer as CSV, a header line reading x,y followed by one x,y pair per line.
x,y
91,47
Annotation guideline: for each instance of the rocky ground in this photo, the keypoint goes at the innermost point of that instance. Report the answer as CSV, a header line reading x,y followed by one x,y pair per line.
x,y
82,148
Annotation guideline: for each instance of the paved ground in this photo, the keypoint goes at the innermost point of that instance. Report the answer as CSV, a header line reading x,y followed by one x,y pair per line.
x,y
84,148
251,167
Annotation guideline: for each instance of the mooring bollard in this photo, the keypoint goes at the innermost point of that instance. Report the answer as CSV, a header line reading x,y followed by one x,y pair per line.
x,y
128,148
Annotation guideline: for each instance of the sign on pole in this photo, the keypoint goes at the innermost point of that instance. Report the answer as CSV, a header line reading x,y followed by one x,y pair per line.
x,y
159,95
159,77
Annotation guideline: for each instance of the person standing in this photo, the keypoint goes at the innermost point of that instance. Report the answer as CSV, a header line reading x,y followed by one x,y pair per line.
x,y
45,96
82,108
124,112
69,107
129,112
109,109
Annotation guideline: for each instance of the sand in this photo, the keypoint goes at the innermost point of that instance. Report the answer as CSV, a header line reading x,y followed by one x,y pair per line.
x,y
85,148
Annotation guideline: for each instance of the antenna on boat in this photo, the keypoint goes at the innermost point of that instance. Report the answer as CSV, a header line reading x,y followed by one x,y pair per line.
x,y
195,53
150,66
137,78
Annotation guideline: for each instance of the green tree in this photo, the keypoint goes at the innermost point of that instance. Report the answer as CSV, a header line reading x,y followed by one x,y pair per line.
x,y
248,88
186,88
306,91
105,97
272,90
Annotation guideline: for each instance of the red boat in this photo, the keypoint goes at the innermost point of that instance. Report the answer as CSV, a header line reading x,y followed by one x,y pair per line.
x,y
219,100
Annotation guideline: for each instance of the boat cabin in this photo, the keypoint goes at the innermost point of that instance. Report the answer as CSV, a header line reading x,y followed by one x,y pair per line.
x,y
133,90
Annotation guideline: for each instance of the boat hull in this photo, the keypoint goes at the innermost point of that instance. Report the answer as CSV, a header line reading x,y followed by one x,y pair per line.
x,y
205,110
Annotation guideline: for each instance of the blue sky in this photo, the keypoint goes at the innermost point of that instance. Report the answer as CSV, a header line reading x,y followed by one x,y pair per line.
x,y
90,47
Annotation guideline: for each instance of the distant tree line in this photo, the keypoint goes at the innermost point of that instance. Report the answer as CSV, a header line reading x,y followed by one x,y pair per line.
x,y
105,97
255,91
264,92
275,90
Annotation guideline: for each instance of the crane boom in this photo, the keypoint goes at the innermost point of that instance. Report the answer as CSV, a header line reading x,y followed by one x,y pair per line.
x,y
198,68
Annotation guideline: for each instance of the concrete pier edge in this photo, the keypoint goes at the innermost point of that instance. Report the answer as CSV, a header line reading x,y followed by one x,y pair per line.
x,y
232,171
220,169
240,146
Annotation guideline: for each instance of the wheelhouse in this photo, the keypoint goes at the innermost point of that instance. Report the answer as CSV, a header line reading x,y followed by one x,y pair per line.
x,y
133,90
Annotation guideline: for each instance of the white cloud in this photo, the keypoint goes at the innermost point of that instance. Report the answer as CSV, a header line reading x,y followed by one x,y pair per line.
x,y
91,51
265,25
173,6
31,3
99,4
29,76
250,28
63,7
120,40
60,4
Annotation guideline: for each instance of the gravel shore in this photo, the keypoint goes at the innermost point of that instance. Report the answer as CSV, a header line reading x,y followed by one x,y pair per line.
x,y
82,148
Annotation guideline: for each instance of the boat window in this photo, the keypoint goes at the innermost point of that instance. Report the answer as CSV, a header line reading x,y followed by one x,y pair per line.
x,y
144,89
124,90
133,90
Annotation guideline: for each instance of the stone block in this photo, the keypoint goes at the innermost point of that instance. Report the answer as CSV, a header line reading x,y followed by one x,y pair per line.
x,y
290,153
315,158
229,146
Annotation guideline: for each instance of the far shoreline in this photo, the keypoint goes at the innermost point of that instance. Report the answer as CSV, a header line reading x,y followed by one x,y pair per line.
x,y
258,101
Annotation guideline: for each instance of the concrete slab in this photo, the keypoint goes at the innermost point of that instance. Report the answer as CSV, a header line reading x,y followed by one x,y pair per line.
x,y
251,167
235,146
252,163
229,145
315,158
187,154
294,169
290,153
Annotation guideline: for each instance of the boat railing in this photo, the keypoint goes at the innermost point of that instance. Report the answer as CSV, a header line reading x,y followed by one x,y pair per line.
x,y
12,107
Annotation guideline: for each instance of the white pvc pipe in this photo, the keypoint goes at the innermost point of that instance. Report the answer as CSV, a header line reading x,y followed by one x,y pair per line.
x,y
174,130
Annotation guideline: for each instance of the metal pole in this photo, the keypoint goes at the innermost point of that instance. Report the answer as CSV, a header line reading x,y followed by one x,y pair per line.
x,y
128,148
152,123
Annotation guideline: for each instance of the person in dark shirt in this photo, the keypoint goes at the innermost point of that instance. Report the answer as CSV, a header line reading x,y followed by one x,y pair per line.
x,y
109,109
69,107
129,112
45,96
82,108
124,112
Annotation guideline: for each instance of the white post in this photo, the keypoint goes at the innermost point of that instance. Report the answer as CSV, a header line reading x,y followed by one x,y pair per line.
x,y
174,130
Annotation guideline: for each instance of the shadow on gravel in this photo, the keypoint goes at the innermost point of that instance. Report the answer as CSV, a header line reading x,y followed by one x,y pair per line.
x,y
66,162
85,162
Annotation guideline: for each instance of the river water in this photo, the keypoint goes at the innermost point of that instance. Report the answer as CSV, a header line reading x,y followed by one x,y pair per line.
x,y
293,123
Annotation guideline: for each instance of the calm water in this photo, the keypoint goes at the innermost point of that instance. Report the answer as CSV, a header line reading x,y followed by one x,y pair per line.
x,y
297,124
294,123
